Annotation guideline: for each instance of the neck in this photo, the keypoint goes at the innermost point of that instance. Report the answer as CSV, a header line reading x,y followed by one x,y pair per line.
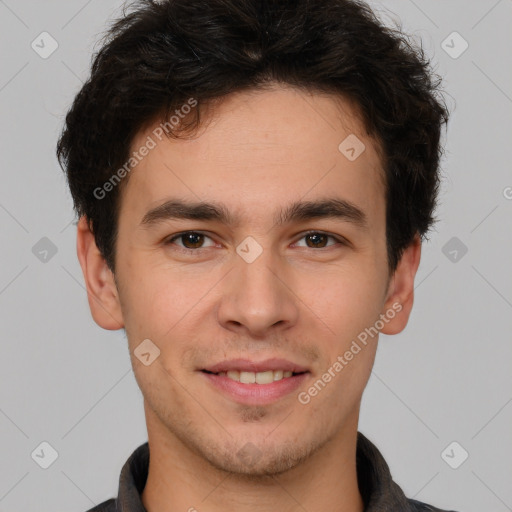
x,y
180,480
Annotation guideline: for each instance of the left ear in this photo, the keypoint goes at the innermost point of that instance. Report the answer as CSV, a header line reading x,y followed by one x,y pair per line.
x,y
400,295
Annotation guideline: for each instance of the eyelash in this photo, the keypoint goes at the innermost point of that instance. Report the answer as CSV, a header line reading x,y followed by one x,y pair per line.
x,y
171,240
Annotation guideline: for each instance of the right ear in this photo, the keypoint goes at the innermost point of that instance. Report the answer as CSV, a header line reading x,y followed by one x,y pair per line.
x,y
102,291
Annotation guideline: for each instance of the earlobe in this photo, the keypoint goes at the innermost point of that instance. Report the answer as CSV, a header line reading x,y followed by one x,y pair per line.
x,y
400,296
102,292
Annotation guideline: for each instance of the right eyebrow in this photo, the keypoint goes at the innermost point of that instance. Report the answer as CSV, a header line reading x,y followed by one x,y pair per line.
x,y
179,209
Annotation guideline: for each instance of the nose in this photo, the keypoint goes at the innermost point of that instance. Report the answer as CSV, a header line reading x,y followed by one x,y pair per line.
x,y
258,297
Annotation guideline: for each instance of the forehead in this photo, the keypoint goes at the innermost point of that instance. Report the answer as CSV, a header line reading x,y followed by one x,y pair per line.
x,y
260,148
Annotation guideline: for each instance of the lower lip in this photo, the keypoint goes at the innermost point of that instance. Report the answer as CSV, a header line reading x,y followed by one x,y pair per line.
x,y
256,394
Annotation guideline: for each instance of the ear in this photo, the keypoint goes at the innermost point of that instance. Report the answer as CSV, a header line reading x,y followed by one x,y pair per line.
x,y
400,294
102,291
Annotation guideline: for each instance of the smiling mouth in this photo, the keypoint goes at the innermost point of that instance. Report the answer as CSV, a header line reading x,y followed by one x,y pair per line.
x,y
266,377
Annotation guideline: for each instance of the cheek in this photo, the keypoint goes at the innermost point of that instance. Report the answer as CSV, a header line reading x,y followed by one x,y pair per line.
x,y
163,304
347,299
353,306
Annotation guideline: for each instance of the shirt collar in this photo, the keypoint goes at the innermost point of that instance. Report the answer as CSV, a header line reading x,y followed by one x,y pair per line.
x,y
378,490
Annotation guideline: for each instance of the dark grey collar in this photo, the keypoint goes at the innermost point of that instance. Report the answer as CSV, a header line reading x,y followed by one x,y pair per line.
x,y
379,492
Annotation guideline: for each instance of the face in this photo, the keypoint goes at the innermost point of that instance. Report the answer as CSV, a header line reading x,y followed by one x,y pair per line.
x,y
253,286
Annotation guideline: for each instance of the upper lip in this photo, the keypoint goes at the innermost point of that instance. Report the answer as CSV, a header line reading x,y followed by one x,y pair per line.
x,y
247,365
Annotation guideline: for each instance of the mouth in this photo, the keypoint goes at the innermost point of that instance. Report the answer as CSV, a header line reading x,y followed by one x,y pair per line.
x,y
256,383
265,377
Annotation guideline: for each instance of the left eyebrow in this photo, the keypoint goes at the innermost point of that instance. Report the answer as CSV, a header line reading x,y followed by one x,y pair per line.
x,y
296,212
323,208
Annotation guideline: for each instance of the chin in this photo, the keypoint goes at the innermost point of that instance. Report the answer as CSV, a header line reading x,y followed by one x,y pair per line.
x,y
254,459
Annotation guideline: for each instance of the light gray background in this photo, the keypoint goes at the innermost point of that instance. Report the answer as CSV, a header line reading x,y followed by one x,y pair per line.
x,y
445,378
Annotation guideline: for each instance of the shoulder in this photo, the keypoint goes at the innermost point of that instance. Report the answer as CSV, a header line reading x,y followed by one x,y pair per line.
x,y
106,506
418,506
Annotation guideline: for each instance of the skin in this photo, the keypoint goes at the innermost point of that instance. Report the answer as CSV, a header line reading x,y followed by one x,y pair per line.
x,y
257,152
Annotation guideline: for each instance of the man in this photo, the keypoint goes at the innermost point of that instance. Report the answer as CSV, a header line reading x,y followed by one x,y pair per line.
x,y
253,182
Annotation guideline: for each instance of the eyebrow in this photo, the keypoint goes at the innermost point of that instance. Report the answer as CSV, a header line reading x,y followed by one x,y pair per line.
x,y
178,209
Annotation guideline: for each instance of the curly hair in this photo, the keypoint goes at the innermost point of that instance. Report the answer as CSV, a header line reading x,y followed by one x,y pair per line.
x,y
160,54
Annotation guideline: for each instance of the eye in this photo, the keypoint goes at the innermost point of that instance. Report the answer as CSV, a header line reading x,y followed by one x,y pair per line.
x,y
318,239
190,240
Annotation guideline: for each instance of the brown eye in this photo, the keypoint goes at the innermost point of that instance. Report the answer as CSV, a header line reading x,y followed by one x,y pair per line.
x,y
194,239
189,240
319,240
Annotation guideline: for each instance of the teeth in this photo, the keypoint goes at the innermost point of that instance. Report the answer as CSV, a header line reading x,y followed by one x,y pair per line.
x,y
278,375
256,377
265,377
247,377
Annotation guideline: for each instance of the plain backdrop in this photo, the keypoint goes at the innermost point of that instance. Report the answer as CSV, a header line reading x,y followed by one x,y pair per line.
x,y
446,379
